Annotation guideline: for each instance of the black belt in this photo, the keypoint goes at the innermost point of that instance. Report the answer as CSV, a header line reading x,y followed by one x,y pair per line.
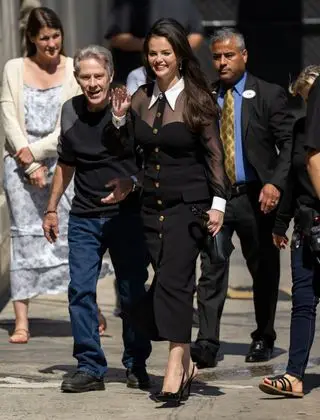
x,y
244,188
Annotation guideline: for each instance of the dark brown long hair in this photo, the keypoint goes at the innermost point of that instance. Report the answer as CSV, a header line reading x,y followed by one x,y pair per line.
x,y
41,17
200,108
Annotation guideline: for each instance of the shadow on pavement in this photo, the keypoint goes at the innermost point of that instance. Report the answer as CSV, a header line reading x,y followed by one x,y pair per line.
x,y
41,327
241,349
4,297
198,390
113,374
203,389
311,381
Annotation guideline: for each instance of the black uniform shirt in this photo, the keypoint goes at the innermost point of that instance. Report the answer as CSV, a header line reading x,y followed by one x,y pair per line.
x,y
299,190
313,117
136,17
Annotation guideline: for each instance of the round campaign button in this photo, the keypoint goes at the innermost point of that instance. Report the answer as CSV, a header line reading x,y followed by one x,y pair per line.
x,y
249,94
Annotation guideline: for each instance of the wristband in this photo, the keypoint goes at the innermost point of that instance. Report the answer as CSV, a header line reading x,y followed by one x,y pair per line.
x,y
49,211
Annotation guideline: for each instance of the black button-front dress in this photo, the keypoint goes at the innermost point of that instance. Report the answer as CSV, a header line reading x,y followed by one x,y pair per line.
x,y
181,168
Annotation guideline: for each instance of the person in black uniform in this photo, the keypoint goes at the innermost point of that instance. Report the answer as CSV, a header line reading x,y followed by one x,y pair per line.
x,y
313,136
175,123
301,202
255,129
130,20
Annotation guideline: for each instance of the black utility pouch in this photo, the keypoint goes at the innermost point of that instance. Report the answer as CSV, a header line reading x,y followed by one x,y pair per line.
x,y
306,218
296,239
309,221
314,239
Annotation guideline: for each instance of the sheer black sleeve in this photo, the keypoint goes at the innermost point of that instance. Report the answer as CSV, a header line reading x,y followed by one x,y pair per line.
x,y
122,137
214,155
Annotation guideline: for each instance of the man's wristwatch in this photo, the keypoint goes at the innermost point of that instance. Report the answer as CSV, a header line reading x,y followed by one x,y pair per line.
x,y
135,183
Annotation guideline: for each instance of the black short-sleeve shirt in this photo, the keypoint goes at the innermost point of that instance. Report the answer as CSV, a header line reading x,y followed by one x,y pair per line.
x,y
97,159
313,117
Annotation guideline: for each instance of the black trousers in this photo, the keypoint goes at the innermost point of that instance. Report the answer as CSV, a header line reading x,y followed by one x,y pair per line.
x,y
254,229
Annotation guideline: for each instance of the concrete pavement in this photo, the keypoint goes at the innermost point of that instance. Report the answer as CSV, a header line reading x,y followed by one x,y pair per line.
x,y
30,374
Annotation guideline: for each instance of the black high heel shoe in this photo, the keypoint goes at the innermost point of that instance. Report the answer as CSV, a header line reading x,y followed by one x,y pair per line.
x,y
173,397
187,385
181,395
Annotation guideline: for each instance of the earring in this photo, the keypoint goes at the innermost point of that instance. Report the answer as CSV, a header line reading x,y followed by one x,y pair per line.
x,y
180,66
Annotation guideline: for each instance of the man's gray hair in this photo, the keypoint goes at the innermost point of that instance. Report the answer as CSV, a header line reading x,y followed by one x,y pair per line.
x,y
224,34
93,51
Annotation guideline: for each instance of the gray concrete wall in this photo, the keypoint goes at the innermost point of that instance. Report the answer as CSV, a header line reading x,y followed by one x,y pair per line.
x,y
8,49
84,21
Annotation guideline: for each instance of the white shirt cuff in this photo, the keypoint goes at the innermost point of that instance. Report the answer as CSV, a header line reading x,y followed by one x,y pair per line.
x,y
219,203
118,121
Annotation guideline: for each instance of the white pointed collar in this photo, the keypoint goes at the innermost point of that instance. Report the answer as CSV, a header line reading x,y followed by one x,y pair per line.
x,y
171,94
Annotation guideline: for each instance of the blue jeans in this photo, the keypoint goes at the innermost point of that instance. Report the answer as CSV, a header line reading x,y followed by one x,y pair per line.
x,y
89,238
304,303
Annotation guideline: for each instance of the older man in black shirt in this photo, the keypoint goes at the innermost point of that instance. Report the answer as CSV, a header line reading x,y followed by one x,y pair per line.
x,y
94,227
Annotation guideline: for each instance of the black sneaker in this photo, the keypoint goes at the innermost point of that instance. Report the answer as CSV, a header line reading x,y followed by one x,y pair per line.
x,y
138,378
82,382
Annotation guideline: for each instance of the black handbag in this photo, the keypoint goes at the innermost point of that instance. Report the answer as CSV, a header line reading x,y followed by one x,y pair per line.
x,y
218,247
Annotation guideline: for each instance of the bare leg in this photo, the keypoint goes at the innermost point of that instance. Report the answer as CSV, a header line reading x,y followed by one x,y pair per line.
x,y
188,365
21,331
179,367
174,370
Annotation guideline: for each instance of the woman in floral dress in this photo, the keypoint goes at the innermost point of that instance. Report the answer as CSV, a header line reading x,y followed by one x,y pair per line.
x,y
34,89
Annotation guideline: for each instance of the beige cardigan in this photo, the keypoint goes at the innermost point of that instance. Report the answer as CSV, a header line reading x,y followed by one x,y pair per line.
x,y
12,112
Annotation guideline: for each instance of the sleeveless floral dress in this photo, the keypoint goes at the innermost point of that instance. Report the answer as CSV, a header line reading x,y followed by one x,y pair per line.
x,y
37,267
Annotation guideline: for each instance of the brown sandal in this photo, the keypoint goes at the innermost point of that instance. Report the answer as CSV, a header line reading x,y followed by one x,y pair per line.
x,y
20,336
285,390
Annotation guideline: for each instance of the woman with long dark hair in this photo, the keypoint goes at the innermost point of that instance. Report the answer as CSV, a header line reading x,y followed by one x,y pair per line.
x,y
175,124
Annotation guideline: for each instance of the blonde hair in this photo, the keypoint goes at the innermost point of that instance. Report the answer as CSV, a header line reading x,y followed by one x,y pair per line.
x,y
305,79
